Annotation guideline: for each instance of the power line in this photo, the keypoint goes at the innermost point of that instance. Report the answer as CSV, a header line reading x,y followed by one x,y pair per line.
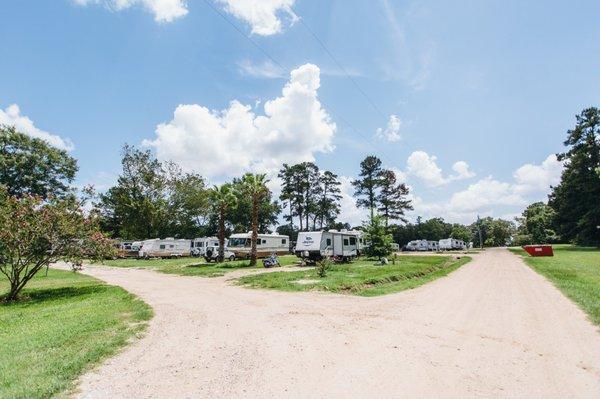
x,y
270,57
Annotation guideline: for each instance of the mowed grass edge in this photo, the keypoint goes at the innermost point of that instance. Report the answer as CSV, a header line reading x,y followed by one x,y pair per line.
x,y
362,277
575,271
67,323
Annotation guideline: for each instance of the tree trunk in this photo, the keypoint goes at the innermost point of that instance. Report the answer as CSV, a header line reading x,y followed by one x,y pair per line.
x,y
13,293
254,231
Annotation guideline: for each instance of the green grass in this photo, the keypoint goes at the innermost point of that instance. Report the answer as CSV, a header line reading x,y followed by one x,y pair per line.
x,y
194,266
573,270
362,277
66,323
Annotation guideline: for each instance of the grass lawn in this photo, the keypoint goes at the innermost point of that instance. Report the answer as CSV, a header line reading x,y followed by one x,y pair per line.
x,y
573,270
362,277
66,323
194,266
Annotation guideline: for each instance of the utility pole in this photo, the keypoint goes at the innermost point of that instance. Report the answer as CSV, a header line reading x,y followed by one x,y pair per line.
x,y
479,231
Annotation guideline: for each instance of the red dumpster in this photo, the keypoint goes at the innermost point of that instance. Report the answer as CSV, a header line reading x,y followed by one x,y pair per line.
x,y
539,250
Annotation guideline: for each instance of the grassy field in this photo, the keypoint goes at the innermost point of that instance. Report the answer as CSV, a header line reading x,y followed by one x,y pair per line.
x,y
66,323
363,277
573,270
193,266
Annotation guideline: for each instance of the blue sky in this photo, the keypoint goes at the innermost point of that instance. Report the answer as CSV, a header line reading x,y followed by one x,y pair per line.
x,y
471,98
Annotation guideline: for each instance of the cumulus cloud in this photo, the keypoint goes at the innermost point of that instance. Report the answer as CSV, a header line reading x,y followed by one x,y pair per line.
x,y
265,17
226,143
538,178
424,167
392,131
163,10
11,116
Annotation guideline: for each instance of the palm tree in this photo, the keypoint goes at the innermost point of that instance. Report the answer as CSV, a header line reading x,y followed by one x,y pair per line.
x,y
255,187
223,199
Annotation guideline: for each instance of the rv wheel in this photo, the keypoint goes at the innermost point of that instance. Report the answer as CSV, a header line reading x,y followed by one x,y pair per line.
x,y
232,258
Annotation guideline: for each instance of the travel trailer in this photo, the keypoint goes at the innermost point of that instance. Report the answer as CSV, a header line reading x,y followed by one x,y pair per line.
x,y
395,247
313,246
266,244
127,249
450,244
164,248
201,244
417,245
433,246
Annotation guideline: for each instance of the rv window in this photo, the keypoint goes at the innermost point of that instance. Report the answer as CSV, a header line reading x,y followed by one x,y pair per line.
x,y
264,241
345,241
171,246
328,242
162,247
352,240
258,242
283,240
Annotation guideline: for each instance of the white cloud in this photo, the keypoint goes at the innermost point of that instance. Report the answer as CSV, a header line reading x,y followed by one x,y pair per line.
x,y
263,16
531,179
163,10
484,193
11,116
392,131
424,166
230,142
265,70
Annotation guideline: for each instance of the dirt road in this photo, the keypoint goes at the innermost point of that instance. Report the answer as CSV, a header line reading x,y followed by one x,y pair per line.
x,y
493,328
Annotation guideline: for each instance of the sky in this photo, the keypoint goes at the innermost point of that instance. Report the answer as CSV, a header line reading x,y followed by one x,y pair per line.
x,y
468,101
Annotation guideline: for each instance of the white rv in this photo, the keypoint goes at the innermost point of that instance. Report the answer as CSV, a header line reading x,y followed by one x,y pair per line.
x,y
313,246
417,245
449,244
165,248
395,247
266,244
201,244
433,246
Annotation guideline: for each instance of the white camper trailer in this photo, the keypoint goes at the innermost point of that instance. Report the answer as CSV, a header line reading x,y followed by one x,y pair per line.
x,y
450,244
395,247
313,246
165,248
433,245
201,244
417,245
266,244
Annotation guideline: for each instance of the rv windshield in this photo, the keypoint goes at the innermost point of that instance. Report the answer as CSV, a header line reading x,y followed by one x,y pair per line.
x,y
238,242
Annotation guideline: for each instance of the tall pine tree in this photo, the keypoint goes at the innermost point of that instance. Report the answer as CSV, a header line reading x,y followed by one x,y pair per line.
x,y
392,198
368,183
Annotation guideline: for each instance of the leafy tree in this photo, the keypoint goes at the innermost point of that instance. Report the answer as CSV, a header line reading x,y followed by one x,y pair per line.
x,y
461,232
328,202
575,199
30,166
379,241
37,232
392,197
537,221
254,185
223,199
366,186
494,232
240,218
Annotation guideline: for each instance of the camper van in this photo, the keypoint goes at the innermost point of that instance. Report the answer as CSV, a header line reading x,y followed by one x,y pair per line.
x,y
313,246
201,244
165,248
266,244
450,244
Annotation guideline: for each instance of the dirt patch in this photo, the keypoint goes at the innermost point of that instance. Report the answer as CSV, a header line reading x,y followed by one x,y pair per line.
x,y
306,282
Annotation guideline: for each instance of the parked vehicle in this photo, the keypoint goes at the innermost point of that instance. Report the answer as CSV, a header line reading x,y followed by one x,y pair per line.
x,y
266,244
451,244
313,246
433,246
164,248
201,244
212,254
127,249
395,247
271,261
417,245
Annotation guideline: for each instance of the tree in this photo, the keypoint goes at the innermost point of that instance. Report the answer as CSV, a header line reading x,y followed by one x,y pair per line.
x,y
575,198
392,197
30,166
254,185
240,217
36,233
223,199
366,186
536,225
497,232
328,202
379,241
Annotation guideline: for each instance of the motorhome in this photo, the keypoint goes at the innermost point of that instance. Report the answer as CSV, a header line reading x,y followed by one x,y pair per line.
x,y
451,244
266,244
313,246
164,248
201,244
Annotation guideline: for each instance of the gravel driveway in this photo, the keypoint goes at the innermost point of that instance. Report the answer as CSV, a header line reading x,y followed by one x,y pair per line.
x,y
493,328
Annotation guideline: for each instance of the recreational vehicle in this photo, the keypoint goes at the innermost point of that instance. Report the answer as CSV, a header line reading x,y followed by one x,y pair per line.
x,y
417,245
450,244
313,246
202,244
166,248
433,245
266,244
395,247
